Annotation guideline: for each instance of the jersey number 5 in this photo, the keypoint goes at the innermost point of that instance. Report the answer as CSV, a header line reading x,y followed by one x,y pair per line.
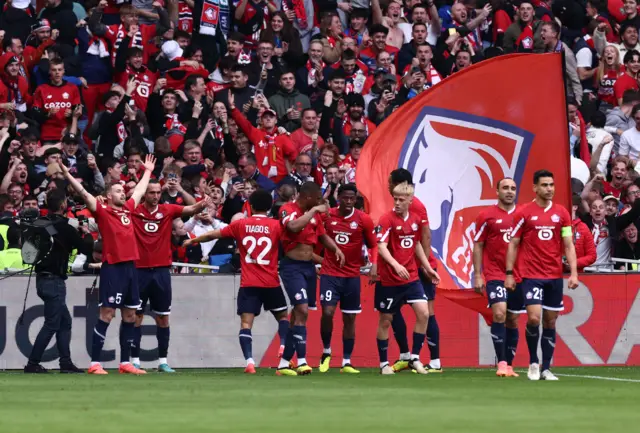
x,y
252,242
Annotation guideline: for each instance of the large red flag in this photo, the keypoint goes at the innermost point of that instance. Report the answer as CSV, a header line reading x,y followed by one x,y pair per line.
x,y
504,117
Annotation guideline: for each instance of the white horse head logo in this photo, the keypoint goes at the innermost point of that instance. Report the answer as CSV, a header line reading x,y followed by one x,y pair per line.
x,y
456,160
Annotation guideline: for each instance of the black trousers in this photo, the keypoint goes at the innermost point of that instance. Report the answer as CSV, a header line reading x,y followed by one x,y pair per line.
x,y
57,319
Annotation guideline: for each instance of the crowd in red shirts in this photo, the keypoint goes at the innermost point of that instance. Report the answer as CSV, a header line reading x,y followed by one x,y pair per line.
x,y
231,96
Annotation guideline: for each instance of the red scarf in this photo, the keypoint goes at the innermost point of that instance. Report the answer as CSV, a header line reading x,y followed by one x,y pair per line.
x,y
272,150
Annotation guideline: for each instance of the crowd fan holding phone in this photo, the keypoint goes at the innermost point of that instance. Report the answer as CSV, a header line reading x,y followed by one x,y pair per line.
x,y
210,101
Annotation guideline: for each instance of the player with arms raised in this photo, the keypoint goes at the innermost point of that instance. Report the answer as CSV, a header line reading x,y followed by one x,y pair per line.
x,y
398,324
493,231
399,234
350,228
118,276
153,223
257,238
302,229
542,231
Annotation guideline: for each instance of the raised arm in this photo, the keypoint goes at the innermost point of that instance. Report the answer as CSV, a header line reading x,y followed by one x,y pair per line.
x,y
89,200
197,208
141,187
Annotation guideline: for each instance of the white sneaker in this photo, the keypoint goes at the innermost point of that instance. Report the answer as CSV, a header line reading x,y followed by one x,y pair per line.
x,y
417,367
387,370
534,372
548,375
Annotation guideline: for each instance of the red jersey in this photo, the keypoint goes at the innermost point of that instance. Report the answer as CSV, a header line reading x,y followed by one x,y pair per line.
x,y
349,233
419,208
493,228
147,81
118,238
400,235
257,238
606,86
541,247
622,84
63,97
308,235
609,189
302,142
153,234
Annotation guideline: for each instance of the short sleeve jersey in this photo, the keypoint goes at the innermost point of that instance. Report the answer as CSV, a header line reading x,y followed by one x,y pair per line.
x,y
350,233
257,238
400,235
308,235
153,234
493,228
118,237
541,247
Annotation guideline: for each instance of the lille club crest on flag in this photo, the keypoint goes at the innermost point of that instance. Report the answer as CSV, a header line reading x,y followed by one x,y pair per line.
x,y
456,159
459,138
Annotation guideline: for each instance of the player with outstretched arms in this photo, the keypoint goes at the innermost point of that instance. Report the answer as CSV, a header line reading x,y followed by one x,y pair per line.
x,y
398,324
153,223
257,238
542,231
118,276
493,232
399,255
302,230
350,228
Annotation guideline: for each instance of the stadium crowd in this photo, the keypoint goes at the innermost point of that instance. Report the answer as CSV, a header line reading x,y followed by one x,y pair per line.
x,y
231,97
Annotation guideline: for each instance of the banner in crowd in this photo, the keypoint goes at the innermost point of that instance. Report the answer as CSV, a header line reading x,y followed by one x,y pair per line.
x,y
505,117
600,326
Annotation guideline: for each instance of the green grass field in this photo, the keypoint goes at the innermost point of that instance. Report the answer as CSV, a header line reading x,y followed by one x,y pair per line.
x,y
227,400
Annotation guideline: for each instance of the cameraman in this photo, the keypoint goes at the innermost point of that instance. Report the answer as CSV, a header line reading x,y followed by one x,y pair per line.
x,y
51,272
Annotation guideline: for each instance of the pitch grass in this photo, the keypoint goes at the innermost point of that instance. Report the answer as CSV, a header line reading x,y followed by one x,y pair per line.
x,y
229,401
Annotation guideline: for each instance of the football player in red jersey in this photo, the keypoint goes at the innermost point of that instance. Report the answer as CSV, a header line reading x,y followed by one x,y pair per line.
x,y
399,248
493,232
542,231
302,230
398,324
351,229
153,223
257,238
118,278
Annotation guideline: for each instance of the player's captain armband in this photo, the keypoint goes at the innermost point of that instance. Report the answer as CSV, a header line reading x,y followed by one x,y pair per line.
x,y
566,232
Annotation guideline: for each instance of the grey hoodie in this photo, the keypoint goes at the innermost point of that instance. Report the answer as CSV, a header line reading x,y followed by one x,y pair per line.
x,y
282,101
616,119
